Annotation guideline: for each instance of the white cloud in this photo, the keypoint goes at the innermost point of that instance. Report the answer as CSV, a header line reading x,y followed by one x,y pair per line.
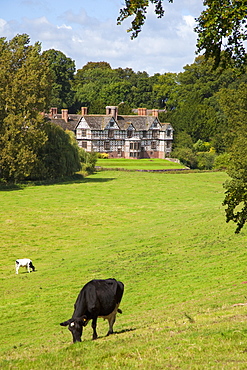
x,y
164,45
37,22
80,18
185,29
3,24
65,27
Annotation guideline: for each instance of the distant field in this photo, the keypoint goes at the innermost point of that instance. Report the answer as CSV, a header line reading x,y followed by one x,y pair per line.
x,y
164,235
139,164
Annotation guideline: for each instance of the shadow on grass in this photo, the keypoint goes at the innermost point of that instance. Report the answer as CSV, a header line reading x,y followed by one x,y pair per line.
x,y
124,331
114,333
11,187
71,346
75,179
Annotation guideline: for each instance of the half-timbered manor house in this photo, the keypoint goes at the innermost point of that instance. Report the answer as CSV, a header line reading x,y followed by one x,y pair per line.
x,y
126,136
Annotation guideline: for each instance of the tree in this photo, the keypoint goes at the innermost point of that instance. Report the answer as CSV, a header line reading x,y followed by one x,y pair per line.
x,y
221,26
115,92
234,104
97,85
24,92
20,141
25,77
88,83
30,147
166,90
63,69
182,140
190,99
59,156
138,8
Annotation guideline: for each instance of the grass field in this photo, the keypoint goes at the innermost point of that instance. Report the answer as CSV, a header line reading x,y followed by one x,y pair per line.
x,y
140,164
163,235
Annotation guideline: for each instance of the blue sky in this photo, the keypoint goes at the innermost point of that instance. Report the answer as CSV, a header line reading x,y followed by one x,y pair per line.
x,y
86,30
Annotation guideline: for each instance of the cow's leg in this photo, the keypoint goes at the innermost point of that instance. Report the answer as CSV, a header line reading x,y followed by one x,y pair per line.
x,y
27,266
17,269
111,321
94,324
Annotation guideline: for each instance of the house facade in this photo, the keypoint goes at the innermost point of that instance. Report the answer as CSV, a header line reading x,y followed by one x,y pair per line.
x,y
124,136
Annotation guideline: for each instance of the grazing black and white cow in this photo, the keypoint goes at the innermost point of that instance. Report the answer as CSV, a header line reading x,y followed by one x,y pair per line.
x,y
24,262
98,298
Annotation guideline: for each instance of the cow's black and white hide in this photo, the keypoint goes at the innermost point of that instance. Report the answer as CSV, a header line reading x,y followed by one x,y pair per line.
x,y
24,262
98,298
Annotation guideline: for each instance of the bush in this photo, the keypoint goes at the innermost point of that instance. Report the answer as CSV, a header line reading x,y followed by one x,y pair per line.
x,y
205,160
202,161
186,156
59,156
88,161
103,155
202,146
222,161
182,140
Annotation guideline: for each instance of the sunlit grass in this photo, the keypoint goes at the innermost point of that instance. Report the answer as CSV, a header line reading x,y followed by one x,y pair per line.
x,y
139,164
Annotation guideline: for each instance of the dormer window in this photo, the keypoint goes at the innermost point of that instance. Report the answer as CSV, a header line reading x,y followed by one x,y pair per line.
x,y
168,132
155,134
129,133
111,133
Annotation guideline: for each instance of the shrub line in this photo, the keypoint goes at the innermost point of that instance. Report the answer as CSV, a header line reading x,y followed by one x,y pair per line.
x,y
185,170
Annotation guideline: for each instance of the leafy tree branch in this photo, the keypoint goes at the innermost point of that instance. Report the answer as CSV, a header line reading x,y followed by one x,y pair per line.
x,y
222,26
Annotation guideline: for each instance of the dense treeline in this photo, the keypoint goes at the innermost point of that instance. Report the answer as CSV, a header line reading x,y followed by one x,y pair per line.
x,y
97,85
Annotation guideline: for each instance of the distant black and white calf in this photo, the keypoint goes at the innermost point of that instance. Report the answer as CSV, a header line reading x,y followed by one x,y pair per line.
x,y
98,298
24,262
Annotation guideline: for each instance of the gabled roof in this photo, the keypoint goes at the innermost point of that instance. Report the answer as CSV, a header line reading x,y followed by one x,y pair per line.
x,y
140,123
96,121
70,125
112,124
165,126
101,122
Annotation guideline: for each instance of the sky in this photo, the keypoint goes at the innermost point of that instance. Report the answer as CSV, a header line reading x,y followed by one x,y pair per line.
x,y
87,31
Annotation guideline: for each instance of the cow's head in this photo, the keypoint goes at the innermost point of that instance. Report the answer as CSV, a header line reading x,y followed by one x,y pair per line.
x,y
75,326
31,266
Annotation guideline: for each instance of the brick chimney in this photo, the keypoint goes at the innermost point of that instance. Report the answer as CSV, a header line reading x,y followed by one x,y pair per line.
x,y
112,111
53,112
84,111
155,112
65,115
142,111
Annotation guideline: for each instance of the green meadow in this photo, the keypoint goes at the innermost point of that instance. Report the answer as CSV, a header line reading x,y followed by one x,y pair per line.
x,y
140,164
162,234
